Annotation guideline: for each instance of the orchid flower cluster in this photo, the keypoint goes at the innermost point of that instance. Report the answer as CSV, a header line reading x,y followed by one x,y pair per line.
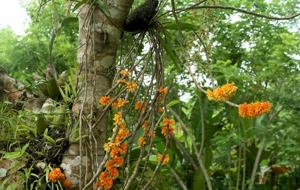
x,y
117,146
250,110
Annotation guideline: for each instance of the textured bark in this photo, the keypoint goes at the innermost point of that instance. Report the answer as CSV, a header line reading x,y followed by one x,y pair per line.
x,y
98,41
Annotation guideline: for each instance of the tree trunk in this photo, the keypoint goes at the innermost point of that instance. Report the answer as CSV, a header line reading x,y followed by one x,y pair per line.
x,y
98,39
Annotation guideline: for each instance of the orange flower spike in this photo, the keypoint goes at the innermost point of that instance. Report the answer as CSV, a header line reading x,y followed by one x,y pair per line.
x,y
56,175
110,164
115,152
105,182
243,110
168,122
166,158
120,102
52,176
123,148
118,118
145,125
266,106
142,141
118,161
163,90
108,146
103,176
124,73
122,134
138,105
229,88
121,81
114,172
219,93
167,130
104,100
122,125
68,184
131,86
254,109
222,93
210,95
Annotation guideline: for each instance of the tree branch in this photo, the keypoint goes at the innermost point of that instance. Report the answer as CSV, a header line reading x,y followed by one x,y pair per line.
x,y
246,12
256,163
178,179
237,10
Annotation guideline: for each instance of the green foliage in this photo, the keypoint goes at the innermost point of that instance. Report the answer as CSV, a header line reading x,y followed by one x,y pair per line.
x,y
21,56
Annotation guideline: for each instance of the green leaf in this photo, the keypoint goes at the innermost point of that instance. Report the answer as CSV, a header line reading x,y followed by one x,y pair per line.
x,y
16,154
134,154
183,26
172,103
49,139
198,180
69,20
171,53
79,4
41,124
53,89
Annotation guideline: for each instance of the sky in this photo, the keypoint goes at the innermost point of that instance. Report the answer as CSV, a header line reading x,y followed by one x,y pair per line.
x,y
12,14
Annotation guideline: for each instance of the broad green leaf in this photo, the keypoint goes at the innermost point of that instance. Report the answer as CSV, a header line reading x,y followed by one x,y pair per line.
x,y
17,153
172,103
